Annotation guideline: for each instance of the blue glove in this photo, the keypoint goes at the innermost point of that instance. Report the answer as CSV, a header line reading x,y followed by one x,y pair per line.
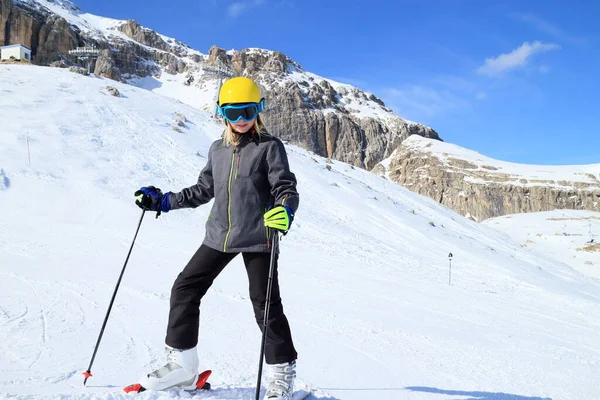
x,y
150,198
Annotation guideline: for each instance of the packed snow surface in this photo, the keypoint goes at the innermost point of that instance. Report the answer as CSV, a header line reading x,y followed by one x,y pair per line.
x,y
569,236
365,269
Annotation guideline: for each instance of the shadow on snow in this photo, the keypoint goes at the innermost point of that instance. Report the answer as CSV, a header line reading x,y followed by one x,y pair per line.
x,y
473,395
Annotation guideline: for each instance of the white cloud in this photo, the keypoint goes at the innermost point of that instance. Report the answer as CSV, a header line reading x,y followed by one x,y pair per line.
x,y
420,103
237,8
350,81
456,83
519,57
540,24
550,29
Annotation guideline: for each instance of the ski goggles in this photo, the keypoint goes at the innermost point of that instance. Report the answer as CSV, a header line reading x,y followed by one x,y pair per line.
x,y
246,112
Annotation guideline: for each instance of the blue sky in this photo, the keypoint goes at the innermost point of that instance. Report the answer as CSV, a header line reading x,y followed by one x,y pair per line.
x,y
515,80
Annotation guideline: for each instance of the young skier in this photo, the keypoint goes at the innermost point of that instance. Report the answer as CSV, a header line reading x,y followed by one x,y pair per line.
x,y
248,175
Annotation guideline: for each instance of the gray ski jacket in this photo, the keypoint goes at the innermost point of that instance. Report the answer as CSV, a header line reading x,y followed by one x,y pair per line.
x,y
244,181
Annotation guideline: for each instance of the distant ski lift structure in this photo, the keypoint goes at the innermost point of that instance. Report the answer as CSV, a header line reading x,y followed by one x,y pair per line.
x,y
86,54
221,70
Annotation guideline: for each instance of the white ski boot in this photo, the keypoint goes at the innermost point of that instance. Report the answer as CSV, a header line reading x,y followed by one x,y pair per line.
x,y
181,370
281,381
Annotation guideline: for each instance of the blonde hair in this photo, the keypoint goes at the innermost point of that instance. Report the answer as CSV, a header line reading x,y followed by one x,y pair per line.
x,y
231,138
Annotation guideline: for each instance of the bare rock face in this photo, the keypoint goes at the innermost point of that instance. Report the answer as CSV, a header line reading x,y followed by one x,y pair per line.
x,y
252,62
216,54
55,39
106,67
49,36
19,25
143,35
482,191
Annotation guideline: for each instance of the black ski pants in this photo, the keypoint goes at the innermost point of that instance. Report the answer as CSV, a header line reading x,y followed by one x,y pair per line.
x,y
195,280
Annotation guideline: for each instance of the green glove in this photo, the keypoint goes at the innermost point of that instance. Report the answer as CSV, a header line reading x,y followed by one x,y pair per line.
x,y
279,218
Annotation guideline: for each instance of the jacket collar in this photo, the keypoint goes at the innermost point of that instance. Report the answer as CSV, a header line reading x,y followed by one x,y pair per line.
x,y
249,137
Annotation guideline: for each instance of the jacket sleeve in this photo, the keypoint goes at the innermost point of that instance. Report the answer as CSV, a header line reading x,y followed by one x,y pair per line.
x,y
198,194
283,181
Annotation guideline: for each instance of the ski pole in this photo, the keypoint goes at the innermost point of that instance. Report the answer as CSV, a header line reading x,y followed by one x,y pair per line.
x,y
88,373
274,246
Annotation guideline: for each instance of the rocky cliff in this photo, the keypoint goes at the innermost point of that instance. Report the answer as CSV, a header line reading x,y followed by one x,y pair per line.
x,y
480,187
333,120
53,27
47,34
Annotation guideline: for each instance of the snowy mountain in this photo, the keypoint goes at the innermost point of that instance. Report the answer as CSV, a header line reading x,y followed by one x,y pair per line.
x,y
364,271
569,236
332,119
481,187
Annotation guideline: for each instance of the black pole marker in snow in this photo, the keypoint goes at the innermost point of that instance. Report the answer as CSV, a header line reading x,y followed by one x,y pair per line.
x,y
88,373
28,151
450,269
274,246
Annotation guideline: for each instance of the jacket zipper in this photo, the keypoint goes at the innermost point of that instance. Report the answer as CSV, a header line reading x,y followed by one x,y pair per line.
x,y
237,169
229,200
268,234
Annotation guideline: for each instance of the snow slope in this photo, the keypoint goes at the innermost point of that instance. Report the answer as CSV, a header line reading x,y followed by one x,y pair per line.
x,y
569,236
364,270
202,97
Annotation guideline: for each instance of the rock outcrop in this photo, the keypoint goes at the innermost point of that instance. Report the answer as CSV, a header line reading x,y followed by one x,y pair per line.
x,y
489,188
48,35
113,91
55,39
143,35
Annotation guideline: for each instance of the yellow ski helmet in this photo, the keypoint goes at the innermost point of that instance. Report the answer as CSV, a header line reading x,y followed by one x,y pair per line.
x,y
239,90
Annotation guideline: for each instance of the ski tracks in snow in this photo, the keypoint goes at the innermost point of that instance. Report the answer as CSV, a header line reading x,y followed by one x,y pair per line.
x,y
44,313
39,319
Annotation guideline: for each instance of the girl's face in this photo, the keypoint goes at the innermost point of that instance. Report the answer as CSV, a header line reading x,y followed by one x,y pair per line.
x,y
242,126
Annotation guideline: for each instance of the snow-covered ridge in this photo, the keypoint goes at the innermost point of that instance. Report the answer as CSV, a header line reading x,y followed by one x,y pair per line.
x,y
358,102
472,162
61,7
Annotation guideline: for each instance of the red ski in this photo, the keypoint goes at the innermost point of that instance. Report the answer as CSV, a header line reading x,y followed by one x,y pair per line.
x,y
201,384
